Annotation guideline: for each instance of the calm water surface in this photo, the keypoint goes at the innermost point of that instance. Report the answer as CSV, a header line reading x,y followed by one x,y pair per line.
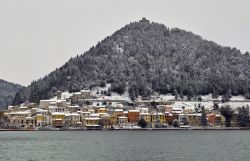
x,y
125,146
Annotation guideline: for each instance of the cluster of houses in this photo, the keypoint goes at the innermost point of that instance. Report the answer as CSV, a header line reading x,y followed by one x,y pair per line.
x,y
82,110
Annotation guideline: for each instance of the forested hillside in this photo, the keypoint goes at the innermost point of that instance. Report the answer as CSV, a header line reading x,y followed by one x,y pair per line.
x,y
7,93
145,57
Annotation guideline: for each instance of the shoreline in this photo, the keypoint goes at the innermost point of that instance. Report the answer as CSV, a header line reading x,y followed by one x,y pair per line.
x,y
135,129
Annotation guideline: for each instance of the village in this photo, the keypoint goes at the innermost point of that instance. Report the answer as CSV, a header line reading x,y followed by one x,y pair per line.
x,y
84,110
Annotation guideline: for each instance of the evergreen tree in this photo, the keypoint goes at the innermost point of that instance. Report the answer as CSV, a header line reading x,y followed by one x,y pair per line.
x,y
199,98
118,87
181,94
154,103
203,117
103,83
215,94
175,123
142,123
176,94
225,98
185,121
216,106
227,112
243,117
247,94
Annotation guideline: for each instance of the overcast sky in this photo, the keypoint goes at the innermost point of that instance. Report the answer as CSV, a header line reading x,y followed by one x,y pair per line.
x,y
38,36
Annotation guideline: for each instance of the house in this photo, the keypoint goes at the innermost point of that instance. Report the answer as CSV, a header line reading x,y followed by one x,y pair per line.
x,y
44,104
80,96
187,110
105,121
85,94
84,115
53,109
218,120
73,108
158,118
181,118
125,113
101,110
113,119
122,120
168,108
170,117
160,108
91,121
2,114
176,111
58,119
43,118
30,121
133,116
94,115
74,119
40,120
211,118
142,109
22,119
118,112
3,119
101,102
194,119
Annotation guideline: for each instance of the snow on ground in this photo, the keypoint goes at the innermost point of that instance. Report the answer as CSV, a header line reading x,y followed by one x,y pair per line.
x,y
167,97
237,98
96,89
235,105
209,104
207,97
114,96
192,104
233,98
207,101
66,95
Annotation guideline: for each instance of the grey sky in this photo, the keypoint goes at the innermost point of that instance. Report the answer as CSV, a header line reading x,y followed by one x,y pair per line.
x,y
38,36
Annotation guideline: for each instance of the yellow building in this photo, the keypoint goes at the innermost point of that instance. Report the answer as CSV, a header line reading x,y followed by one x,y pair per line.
x,y
58,115
91,121
113,119
158,116
223,120
146,116
194,119
58,119
39,119
101,110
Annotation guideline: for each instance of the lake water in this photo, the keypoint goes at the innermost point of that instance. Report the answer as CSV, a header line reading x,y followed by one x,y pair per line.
x,y
125,146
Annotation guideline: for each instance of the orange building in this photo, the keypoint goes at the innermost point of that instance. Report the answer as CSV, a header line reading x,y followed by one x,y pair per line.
x,y
118,112
58,123
170,117
133,116
214,119
1,114
211,118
